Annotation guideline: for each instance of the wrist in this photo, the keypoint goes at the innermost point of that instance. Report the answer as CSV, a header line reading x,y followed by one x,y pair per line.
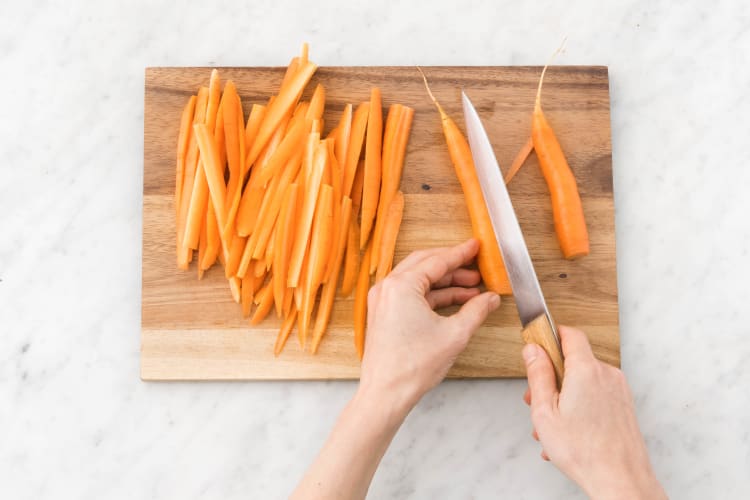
x,y
641,485
386,407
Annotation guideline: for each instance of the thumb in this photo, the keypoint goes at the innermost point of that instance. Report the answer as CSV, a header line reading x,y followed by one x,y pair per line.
x,y
541,377
473,313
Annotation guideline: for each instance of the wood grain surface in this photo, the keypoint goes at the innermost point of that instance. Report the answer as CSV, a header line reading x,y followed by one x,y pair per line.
x,y
192,330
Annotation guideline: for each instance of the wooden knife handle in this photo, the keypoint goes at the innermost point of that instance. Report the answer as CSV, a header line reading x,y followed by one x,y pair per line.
x,y
539,331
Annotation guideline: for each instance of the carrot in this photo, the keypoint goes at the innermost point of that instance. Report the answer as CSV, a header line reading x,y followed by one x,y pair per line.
x,y
356,194
390,234
320,247
354,149
489,260
567,210
264,300
202,245
351,262
214,97
263,220
328,294
247,213
214,172
291,142
302,237
284,102
291,70
284,247
392,123
246,295
234,286
337,200
235,144
343,132
191,165
236,247
257,114
219,133
286,329
213,239
317,104
269,249
270,150
519,160
360,302
288,302
183,139
371,190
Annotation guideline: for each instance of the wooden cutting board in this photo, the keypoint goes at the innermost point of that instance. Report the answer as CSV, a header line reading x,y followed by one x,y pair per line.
x,y
192,330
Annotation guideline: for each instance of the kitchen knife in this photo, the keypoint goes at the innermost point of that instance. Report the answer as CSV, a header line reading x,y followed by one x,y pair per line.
x,y
536,320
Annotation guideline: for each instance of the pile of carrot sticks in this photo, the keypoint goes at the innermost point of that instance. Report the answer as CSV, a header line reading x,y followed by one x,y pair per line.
x,y
288,213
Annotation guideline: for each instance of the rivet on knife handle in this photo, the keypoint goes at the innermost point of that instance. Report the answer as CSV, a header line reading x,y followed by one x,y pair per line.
x,y
539,331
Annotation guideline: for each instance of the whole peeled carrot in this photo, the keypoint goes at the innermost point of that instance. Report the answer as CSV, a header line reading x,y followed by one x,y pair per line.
x,y
491,265
567,211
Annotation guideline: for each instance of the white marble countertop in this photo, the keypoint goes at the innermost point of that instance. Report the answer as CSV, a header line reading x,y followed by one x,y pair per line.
x,y
77,422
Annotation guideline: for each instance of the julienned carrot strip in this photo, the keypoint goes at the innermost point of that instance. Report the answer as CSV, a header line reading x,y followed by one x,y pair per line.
x,y
312,141
236,247
371,190
354,149
246,295
328,294
213,238
286,329
351,264
234,140
202,244
191,164
288,301
291,70
264,222
269,216
235,285
257,113
317,104
284,246
284,102
247,212
214,97
304,226
392,122
343,132
519,160
183,139
320,248
291,142
490,262
269,151
269,249
219,133
567,210
356,194
264,300
337,200
214,172
360,302
390,234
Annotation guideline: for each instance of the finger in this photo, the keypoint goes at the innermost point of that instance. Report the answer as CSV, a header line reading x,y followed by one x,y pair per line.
x,y
541,377
535,435
445,297
545,457
575,344
445,260
415,257
474,312
459,277
527,396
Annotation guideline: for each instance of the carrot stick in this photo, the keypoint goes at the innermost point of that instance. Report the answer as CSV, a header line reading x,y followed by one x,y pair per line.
x,y
343,133
371,190
214,172
286,329
519,160
183,139
214,97
283,103
263,219
234,140
490,261
247,213
292,141
392,123
304,226
284,246
246,296
337,200
320,247
328,294
264,300
191,165
257,114
360,302
291,70
356,194
317,104
235,285
351,264
202,244
354,149
213,238
270,249
288,301
235,254
567,210
219,133
390,234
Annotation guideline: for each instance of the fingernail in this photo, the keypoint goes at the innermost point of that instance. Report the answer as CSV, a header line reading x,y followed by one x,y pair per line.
x,y
529,353
494,301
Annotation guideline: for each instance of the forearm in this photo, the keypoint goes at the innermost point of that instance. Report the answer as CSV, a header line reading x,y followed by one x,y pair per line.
x,y
346,464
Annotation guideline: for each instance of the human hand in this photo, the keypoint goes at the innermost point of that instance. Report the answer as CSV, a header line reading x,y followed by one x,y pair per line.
x,y
588,429
409,348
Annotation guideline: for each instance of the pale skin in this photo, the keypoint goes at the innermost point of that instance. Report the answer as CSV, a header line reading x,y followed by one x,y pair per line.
x,y
588,429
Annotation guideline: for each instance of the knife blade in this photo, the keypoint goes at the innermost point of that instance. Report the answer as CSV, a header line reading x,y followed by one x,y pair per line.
x,y
536,319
